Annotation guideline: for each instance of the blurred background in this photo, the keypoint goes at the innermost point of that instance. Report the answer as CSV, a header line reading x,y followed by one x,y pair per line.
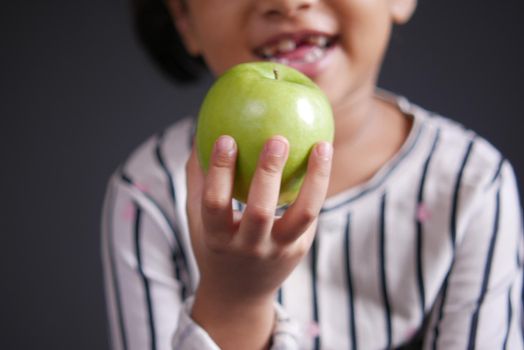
x,y
77,94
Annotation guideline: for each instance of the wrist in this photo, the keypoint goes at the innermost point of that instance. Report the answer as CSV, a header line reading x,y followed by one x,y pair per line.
x,y
233,322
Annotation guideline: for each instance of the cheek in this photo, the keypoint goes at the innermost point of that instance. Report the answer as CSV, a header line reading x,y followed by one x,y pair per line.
x,y
222,41
222,50
220,58
366,29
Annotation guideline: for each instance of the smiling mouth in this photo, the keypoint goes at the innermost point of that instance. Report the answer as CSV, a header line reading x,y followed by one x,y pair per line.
x,y
305,48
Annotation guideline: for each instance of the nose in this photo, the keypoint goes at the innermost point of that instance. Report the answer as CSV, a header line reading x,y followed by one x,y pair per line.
x,y
283,8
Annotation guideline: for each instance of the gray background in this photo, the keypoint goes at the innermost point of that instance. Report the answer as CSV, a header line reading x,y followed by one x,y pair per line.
x,y
77,95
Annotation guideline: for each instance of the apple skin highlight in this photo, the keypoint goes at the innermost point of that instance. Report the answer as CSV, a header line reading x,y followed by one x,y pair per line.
x,y
252,102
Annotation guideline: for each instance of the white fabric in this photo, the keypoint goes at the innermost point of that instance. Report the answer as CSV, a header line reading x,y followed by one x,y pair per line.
x,y
440,223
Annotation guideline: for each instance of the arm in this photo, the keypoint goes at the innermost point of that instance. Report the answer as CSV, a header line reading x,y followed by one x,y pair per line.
x,y
243,259
145,277
480,302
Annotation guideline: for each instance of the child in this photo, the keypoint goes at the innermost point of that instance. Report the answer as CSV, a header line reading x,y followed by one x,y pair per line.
x,y
407,232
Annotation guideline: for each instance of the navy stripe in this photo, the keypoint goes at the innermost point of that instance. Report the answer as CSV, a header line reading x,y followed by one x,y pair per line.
x,y
419,237
182,255
383,279
454,208
379,183
314,290
349,281
145,280
453,234
519,243
114,275
126,178
510,316
178,274
280,297
171,188
487,271
497,172
165,169
238,206
436,331
241,206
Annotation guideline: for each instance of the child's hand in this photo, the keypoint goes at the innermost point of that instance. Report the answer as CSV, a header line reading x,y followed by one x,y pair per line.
x,y
243,259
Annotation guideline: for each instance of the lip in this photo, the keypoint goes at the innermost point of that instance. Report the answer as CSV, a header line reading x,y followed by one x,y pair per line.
x,y
310,69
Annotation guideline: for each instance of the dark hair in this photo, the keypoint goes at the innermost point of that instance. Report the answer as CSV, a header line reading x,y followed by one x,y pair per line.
x,y
156,32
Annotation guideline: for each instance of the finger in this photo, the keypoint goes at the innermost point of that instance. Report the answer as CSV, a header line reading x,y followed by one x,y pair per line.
x,y
218,187
303,212
264,190
194,183
194,180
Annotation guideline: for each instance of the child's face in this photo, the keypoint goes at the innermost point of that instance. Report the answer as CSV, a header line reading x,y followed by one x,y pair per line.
x,y
338,43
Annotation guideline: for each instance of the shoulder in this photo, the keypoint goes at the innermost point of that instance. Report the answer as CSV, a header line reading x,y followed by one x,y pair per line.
x,y
168,148
156,167
457,152
460,171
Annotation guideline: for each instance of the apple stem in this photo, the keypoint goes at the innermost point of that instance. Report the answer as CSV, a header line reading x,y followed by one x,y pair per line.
x,y
275,71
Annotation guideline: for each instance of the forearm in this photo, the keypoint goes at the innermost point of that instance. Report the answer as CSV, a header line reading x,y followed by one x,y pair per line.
x,y
234,323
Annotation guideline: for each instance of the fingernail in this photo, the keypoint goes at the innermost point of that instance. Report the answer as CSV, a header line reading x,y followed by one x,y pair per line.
x,y
225,144
276,147
324,150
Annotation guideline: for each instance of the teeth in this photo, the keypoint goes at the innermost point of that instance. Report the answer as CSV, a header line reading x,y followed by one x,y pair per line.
x,y
283,46
286,45
280,60
314,55
269,51
318,40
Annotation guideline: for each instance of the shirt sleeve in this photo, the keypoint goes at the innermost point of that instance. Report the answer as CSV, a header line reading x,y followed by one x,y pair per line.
x,y
480,302
145,280
286,334
189,336
147,295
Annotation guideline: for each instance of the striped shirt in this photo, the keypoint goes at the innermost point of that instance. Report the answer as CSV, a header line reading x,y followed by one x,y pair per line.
x,y
426,254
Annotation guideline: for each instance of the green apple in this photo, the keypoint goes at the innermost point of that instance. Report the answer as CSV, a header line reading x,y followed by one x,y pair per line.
x,y
252,102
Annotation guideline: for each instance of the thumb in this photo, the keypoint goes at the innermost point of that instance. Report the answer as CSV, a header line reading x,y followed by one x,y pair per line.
x,y
194,183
